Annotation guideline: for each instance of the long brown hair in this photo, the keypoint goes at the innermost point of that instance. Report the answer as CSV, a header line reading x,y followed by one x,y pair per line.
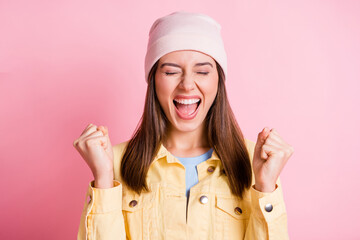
x,y
224,136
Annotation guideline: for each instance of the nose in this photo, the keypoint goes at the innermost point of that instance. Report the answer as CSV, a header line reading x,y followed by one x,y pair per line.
x,y
187,82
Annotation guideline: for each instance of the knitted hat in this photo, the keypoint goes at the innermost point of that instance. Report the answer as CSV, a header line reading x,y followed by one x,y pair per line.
x,y
183,30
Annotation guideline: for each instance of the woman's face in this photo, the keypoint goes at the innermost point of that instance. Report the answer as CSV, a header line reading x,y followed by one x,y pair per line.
x,y
186,84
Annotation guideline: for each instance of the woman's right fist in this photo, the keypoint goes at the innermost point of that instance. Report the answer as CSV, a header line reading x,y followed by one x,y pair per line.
x,y
95,148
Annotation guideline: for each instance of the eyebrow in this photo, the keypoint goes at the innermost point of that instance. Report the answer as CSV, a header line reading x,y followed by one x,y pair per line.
x,y
175,65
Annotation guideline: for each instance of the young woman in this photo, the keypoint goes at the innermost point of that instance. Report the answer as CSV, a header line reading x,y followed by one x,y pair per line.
x,y
187,172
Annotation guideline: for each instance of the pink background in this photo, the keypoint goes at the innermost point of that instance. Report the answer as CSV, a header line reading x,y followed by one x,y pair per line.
x,y
293,66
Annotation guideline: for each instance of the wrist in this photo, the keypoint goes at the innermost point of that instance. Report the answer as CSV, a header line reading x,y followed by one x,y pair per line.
x,y
109,174
265,187
104,179
103,183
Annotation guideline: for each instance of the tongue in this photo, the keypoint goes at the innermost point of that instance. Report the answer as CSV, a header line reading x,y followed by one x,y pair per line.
x,y
186,109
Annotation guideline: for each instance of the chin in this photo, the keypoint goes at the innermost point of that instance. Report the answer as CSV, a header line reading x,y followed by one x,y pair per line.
x,y
186,127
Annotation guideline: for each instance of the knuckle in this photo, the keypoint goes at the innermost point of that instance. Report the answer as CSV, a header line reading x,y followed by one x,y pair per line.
x,y
282,153
291,149
87,143
288,151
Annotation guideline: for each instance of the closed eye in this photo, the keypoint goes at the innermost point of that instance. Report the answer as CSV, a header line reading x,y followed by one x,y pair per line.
x,y
170,73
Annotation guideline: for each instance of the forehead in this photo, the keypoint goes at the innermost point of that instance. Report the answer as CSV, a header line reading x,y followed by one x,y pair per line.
x,y
186,56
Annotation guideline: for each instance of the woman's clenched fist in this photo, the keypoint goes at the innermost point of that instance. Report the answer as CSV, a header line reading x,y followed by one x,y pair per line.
x,y
270,156
95,148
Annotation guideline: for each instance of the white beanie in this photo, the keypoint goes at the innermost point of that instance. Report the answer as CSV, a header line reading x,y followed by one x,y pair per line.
x,y
183,30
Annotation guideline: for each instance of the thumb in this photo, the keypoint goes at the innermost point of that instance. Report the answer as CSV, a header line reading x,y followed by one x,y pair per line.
x,y
261,140
107,136
105,132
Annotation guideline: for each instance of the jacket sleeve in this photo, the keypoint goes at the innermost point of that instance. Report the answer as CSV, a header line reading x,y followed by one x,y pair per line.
x,y
102,216
268,219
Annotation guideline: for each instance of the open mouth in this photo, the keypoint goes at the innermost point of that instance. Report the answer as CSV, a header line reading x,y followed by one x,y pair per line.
x,y
187,107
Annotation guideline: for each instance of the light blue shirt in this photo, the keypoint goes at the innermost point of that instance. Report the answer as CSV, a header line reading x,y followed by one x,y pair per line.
x,y
191,174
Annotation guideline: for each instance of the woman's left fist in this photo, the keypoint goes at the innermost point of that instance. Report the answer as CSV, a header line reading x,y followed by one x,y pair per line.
x,y
270,156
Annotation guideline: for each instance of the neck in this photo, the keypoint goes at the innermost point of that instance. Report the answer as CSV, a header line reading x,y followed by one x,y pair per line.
x,y
186,141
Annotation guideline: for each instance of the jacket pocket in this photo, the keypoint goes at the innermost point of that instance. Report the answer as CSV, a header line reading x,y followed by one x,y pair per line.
x,y
139,216
231,217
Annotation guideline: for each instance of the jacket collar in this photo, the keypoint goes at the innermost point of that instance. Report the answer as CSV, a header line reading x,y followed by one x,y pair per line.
x,y
163,152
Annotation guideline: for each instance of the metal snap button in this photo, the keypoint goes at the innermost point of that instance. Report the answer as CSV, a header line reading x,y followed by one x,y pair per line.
x,y
268,207
238,210
204,199
211,169
133,203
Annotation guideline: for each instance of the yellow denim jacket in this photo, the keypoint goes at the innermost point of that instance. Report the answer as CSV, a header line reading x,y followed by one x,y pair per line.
x,y
213,212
